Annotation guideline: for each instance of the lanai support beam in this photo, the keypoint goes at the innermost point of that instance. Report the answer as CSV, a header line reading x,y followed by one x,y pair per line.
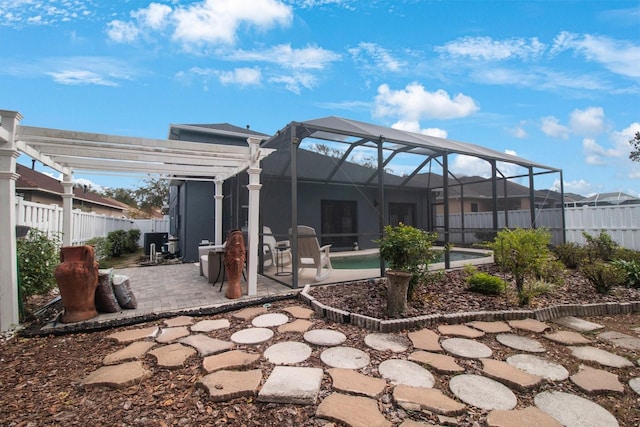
x,y
218,212
254,210
9,307
67,209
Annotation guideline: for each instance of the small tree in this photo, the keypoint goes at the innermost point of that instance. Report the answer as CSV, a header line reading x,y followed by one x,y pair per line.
x,y
635,148
522,253
38,257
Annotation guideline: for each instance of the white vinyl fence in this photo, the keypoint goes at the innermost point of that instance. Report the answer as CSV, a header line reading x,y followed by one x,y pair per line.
x,y
622,223
86,225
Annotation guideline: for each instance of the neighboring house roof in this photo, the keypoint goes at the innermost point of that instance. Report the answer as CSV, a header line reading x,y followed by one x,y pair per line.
x,y
31,180
219,133
615,198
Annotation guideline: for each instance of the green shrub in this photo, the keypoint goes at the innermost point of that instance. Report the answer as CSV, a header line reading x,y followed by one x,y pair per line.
x,y
551,271
603,276
101,246
485,283
535,288
632,271
118,242
627,255
38,256
522,253
133,236
570,254
600,247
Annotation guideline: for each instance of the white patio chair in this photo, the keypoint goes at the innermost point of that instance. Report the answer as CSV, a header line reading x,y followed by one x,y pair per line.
x,y
273,249
311,255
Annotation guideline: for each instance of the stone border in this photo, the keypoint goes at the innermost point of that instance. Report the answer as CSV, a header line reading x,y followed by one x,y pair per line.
x,y
431,320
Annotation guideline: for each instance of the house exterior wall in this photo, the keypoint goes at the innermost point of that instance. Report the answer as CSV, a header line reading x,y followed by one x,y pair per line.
x,y
192,216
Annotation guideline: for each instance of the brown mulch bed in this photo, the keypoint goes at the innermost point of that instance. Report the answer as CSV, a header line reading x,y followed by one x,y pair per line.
x,y
40,377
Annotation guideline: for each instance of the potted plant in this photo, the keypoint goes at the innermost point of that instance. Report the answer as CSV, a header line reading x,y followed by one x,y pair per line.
x,y
407,251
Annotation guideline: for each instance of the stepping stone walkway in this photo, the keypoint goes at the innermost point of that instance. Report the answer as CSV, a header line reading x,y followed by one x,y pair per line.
x,y
287,353
352,382
578,324
596,380
358,391
538,366
482,392
603,357
520,343
574,411
252,336
345,357
288,384
399,371
425,339
387,342
466,348
325,337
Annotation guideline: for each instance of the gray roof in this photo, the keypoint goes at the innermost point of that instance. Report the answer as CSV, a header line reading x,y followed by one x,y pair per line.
x,y
339,129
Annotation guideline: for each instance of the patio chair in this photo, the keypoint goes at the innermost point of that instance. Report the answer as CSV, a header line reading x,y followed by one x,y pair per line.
x,y
275,252
311,255
210,257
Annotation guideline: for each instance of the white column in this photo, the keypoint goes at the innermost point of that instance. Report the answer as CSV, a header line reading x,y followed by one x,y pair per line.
x,y
218,212
67,210
9,311
254,210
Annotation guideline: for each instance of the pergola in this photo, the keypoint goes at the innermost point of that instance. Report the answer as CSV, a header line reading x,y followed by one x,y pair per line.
x,y
71,151
387,144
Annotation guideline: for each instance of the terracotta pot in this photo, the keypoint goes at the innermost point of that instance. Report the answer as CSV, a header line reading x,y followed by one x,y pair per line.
x,y
77,278
234,257
397,288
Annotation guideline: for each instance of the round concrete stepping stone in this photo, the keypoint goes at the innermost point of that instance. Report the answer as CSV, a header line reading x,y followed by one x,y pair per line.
x,y
353,382
210,325
387,342
125,337
269,320
634,383
539,366
178,321
117,376
249,313
601,356
172,355
421,399
509,375
621,340
252,336
298,325
352,411
466,348
399,371
578,324
287,353
345,357
227,385
527,417
439,362
425,339
168,335
596,380
460,330
132,351
574,411
229,360
207,345
482,392
292,385
299,312
531,325
325,337
567,338
520,343
490,327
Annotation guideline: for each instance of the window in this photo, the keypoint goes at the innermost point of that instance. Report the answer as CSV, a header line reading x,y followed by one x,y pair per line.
x,y
339,223
402,213
474,207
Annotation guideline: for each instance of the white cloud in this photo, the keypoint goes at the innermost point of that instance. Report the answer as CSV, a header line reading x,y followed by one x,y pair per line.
x,y
310,58
382,59
552,127
296,81
596,154
519,131
463,165
241,76
80,77
618,56
414,126
155,16
488,49
579,186
414,102
122,32
589,122
19,13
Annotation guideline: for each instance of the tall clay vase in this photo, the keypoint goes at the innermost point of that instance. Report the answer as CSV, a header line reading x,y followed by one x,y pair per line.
x,y
77,278
397,288
234,257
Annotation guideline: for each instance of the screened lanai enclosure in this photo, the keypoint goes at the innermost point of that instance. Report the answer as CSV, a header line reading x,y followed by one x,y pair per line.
x,y
348,179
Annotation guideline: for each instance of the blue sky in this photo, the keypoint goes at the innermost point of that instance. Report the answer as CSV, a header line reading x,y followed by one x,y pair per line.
x,y
556,82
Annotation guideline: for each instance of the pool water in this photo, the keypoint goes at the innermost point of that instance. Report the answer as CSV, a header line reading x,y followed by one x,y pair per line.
x,y
373,260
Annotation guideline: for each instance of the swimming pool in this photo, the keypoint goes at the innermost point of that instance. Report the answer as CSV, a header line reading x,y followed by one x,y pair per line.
x,y
372,260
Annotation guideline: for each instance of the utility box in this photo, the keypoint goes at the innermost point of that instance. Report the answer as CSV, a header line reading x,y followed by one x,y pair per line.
x,y
161,241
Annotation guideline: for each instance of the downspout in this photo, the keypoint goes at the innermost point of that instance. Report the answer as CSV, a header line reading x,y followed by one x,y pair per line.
x,y
532,199
381,201
445,195
294,207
